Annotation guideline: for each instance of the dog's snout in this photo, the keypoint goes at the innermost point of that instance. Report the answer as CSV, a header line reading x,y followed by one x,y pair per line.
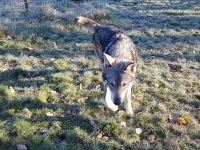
x,y
117,102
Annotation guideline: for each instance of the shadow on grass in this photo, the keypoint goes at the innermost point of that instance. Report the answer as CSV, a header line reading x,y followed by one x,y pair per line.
x,y
74,127
46,130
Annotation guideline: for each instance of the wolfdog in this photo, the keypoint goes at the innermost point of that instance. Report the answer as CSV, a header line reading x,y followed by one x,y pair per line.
x,y
118,59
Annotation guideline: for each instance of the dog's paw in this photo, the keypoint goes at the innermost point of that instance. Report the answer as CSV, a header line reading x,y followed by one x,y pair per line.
x,y
114,108
130,114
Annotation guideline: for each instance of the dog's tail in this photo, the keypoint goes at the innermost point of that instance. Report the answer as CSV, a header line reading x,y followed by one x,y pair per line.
x,y
90,24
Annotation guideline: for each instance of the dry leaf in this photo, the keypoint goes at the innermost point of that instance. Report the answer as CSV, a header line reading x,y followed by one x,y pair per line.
x,y
180,121
164,98
123,123
49,114
31,48
105,138
151,139
35,117
102,136
21,147
138,130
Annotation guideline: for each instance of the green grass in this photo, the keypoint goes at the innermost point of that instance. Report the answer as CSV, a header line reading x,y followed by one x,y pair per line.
x,y
50,97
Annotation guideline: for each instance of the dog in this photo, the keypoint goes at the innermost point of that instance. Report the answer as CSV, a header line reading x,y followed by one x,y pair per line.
x,y
118,59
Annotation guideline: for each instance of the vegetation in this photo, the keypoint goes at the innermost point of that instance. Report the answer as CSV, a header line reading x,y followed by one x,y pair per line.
x,y
51,84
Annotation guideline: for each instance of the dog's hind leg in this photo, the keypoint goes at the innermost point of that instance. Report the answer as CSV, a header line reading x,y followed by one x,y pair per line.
x,y
127,102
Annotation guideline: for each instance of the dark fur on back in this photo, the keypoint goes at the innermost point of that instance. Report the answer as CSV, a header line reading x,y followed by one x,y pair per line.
x,y
115,43
110,40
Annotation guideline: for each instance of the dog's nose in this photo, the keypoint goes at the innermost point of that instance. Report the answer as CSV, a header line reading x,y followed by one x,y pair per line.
x,y
117,102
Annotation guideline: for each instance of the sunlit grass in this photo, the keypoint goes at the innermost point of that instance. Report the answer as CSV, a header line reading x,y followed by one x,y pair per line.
x,y
51,84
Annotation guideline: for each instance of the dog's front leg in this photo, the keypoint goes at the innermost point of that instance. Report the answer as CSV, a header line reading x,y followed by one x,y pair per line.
x,y
127,102
108,99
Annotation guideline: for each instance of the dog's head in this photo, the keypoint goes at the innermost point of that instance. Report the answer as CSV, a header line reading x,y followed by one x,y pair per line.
x,y
118,78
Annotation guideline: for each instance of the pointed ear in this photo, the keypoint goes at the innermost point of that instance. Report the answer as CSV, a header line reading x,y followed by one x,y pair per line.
x,y
130,68
107,60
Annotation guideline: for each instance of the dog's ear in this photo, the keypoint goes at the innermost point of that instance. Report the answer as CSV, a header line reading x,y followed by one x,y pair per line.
x,y
130,68
107,60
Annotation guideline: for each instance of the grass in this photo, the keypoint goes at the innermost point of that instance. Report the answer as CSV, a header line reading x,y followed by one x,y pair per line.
x,y
51,84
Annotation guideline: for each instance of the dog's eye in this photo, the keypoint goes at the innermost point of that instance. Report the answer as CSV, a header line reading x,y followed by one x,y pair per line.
x,y
111,83
124,84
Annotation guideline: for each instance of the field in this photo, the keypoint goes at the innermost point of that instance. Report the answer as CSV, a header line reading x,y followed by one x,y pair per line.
x,y
51,85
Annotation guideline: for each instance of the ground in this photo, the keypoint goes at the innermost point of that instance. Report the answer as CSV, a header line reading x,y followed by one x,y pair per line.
x,y
51,84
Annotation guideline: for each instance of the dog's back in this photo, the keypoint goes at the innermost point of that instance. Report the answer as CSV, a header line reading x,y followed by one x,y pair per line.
x,y
109,40
115,43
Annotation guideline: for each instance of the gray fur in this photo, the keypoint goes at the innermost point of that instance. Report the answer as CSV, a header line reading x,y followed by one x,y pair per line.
x,y
118,59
